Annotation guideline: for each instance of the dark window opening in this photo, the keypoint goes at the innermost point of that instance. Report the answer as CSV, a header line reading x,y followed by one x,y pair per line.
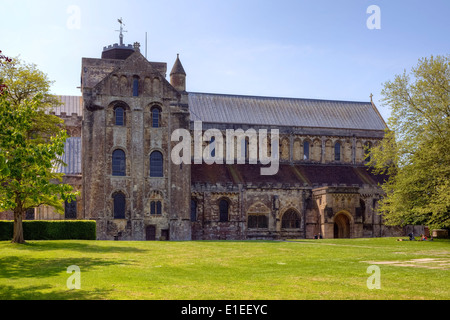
x,y
156,118
290,220
119,114
135,87
156,208
119,205
193,210
337,151
70,209
118,163
306,150
223,210
156,165
257,221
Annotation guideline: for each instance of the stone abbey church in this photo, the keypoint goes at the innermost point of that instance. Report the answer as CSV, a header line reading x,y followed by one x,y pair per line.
x,y
119,158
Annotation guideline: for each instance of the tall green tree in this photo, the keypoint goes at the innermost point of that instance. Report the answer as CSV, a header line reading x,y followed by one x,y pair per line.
x,y
27,176
29,149
23,82
415,152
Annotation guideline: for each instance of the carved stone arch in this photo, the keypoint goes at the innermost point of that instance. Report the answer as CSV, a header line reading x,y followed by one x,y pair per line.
x,y
258,208
316,150
284,149
224,204
112,113
291,218
156,194
343,222
114,85
124,86
329,150
119,190
147,89
156,87
258,216
359,152
118,147
297,152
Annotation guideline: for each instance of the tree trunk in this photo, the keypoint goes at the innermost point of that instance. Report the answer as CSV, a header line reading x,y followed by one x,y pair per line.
x,y
18,227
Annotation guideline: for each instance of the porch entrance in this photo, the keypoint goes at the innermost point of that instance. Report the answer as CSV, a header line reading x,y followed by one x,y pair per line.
x,y
341,226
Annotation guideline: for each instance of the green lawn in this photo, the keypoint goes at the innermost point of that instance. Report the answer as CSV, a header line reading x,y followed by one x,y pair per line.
x,y
275,270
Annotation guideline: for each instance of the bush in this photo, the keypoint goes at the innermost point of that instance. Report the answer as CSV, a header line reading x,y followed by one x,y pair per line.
x,y
51,230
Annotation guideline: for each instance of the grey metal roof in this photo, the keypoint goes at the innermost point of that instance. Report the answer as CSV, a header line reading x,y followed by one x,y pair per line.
x,y
72,157
70,105
237,109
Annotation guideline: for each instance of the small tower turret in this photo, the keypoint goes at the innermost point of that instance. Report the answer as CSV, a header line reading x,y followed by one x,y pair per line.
x,y
178,76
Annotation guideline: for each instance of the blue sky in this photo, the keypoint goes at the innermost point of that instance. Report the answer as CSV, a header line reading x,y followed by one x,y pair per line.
x,y
319,49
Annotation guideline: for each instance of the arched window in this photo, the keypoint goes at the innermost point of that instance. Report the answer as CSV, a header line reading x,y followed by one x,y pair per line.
x,y
119,205
223,210
118,163
156,207
156,165
306,150
119,115
337,152
193,210
156,118
135,86
290,220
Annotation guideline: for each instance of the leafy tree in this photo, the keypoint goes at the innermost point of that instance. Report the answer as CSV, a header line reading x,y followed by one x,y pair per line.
x,y
415,152
29,152
24,81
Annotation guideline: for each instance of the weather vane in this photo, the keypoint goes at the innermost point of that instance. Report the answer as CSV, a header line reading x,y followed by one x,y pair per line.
x,y
121,30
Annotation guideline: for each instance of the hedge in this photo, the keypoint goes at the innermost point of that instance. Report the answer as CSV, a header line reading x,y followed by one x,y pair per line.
x,y
51,230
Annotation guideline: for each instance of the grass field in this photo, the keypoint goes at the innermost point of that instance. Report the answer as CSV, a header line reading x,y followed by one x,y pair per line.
x,y
225,270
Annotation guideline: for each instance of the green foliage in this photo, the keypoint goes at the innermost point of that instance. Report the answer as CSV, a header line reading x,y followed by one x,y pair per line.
x,y
25,82
52,230
31,144
27,177
416,149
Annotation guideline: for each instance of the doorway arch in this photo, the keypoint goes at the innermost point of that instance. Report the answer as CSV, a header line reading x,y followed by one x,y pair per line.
x,y
341,226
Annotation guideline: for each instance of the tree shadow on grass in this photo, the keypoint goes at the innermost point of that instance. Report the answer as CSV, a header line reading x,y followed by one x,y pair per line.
x,y
23,268
13,267
82,246
37,293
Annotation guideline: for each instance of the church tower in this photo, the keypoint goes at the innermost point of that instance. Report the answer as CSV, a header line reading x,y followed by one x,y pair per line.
x,y
130,185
